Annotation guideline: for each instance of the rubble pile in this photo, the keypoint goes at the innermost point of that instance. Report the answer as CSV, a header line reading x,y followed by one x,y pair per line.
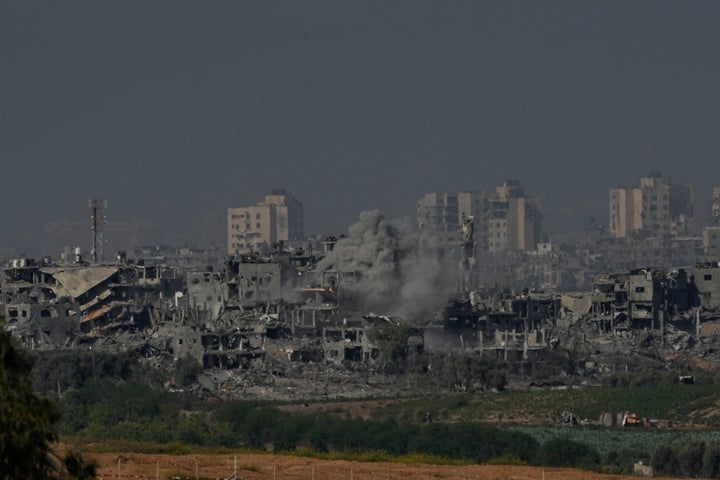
x,y
291,325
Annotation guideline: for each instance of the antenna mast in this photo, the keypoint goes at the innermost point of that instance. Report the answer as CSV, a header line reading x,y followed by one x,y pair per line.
x,y
97,219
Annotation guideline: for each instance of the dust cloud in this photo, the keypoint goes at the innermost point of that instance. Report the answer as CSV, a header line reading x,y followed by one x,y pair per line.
x,y
400,271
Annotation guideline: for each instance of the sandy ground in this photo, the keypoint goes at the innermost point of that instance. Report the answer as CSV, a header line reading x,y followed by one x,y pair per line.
x,y
276,467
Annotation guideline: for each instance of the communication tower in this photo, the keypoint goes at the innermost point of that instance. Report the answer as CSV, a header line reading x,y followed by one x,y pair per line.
x,y
98,220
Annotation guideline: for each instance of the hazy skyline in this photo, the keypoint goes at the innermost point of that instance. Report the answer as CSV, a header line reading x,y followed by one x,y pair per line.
x,y
174,111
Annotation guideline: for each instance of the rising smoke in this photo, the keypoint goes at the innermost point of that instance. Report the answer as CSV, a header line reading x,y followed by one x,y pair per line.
x,y
401,272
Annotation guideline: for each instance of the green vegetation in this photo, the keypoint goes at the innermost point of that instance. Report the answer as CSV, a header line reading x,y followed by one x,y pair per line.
x,y
639,441
467,372
110,397
78,468
27,426
187,370
679,403
55,371
563,452
25,419
689,459
136,412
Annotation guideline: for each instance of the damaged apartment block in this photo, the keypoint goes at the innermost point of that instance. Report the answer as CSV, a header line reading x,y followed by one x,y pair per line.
x,y
280,326
50,306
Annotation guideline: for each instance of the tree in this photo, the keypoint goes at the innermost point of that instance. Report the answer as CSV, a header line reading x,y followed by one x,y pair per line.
x,y
664,461
187,370
563,452
27,425
711,460
78,468
690,458
26,420
490,373
466,371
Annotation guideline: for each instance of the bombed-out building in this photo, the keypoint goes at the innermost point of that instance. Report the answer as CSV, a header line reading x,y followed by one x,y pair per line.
x,y
268,320
643,297
49,306
707,282
503,321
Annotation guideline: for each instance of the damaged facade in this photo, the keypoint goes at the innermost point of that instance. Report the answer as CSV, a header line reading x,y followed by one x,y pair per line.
x,y
51,306
258,311
278,326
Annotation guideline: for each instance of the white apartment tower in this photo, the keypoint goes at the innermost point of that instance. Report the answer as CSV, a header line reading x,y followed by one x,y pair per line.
x,y
658,207
514,219
279,218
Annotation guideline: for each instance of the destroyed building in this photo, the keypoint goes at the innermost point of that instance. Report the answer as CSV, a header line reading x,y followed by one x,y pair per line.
x,y
207,293
271,322
49,305
254,278
503,321
643,297
707,281
370,340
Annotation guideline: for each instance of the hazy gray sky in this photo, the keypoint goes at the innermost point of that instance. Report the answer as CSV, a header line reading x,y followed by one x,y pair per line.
x,y
174,110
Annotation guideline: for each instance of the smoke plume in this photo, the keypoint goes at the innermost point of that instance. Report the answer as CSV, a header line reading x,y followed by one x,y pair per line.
x,y
400,271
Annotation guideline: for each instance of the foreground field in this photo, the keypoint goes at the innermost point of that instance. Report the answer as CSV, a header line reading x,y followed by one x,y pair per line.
x,y
687,406
260,466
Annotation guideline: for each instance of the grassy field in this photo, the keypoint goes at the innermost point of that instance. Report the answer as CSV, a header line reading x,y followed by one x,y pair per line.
x,y
682,404
463,427
693,409
605,440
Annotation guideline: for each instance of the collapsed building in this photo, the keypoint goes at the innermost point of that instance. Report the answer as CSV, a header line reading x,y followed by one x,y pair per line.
x,y
493,314
264,319
256,310
306,315
707,282
645,297
54,306
646,312
513,327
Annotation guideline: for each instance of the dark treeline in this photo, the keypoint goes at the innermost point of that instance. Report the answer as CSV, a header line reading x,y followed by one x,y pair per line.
x,y
135,412
688,459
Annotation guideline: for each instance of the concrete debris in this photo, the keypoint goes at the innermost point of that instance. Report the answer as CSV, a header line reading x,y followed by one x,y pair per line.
x,y
295,324
567,418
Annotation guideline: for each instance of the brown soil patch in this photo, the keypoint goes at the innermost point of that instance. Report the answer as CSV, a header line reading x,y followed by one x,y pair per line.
x,y
258,466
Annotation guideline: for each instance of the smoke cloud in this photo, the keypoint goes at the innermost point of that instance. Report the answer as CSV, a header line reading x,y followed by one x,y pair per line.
x,y
400,271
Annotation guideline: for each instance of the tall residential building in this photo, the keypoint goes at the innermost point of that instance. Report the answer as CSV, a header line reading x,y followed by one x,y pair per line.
x,y
279,218
715,206
657,208
475,204
625,211
711,233
438,213
514,219
506,219
711,242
